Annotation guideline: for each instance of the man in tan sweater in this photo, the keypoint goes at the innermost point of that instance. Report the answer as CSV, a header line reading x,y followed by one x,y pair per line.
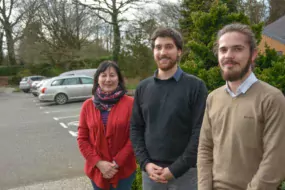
x,y
242,140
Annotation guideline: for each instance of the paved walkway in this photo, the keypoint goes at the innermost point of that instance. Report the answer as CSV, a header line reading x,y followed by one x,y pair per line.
x,y
6,90
79,183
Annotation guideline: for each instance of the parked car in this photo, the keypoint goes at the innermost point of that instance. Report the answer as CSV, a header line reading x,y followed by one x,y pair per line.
x,y
87,72
63,89
26,82
36,86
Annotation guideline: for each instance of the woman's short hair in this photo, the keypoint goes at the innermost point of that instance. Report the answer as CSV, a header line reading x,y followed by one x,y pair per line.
x,y
102,68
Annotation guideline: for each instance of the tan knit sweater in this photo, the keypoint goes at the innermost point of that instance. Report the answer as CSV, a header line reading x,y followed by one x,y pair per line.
x,y
242,140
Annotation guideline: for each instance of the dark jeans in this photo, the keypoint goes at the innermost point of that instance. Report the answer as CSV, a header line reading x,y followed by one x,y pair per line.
x,y
124,184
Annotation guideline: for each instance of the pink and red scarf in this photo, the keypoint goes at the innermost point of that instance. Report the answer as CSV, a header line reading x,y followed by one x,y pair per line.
x,y
104,101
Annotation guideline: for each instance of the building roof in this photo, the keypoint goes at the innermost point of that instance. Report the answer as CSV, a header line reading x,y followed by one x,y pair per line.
x,y
276,30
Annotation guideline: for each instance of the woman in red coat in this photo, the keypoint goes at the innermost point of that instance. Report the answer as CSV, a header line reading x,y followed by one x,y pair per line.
x,y
103,131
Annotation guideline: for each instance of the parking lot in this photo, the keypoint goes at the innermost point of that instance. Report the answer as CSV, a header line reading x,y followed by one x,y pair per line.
x,y
38,144
66,116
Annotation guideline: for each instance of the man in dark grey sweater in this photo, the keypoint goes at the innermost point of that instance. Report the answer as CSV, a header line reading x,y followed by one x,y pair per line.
x,y
167,117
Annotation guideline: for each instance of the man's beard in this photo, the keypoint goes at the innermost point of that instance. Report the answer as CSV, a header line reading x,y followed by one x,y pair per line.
x,y
236,75
169,66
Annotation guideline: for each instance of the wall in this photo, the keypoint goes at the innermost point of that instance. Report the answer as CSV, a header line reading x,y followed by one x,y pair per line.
x,y
3,81
271,43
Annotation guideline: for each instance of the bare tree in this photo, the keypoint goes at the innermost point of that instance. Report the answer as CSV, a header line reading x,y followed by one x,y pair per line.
x,y
111,13
277,10
11,14
256,10
169,13
65,28
107,37
1,47
31,45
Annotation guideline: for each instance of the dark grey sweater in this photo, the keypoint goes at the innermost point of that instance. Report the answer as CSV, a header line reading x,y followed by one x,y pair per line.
x,y
166,121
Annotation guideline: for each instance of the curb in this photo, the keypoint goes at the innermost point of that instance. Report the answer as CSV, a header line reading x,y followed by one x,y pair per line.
x,y
78,183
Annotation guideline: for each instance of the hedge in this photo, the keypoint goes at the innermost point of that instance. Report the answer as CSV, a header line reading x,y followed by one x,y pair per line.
x,y
9,70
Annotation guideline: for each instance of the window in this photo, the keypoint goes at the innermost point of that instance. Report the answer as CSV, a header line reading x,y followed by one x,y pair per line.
x,y
57,82
37,78
71,81
34,78
279,53
86,80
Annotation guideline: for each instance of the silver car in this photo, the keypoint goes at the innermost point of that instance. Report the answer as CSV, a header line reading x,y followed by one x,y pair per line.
x,y
36,86
63,89
26,82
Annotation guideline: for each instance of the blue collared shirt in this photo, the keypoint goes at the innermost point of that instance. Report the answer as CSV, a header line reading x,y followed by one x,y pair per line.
x,y
251,79
176,76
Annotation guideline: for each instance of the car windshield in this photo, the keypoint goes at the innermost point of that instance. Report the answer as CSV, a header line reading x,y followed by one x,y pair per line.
x,y
36,78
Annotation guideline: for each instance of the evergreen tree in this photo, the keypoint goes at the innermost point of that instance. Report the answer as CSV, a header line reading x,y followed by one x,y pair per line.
x,y
203,32
188,7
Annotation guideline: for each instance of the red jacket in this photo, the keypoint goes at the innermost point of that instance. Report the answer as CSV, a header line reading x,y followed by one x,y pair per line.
x,y
115,145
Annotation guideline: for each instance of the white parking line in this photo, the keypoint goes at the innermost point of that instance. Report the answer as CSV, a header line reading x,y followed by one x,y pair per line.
x,y
74,134
63,125
73,123
58,118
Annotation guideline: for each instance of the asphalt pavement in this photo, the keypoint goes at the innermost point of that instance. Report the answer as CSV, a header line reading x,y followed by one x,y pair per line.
x,y
38,148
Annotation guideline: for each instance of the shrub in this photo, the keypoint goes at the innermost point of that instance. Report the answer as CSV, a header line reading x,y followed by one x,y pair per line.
x,y
95,63
46,69
137,184
211,77
85,63
266,59
15,80
282,187
274,75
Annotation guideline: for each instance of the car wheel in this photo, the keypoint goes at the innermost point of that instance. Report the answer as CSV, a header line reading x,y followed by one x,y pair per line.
x,y
26,91
60,99
35,94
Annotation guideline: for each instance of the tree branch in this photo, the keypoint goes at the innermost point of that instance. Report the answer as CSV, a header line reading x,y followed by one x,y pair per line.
x,y
18,37
128,2
95,7
3,12
102,18
2,21
31,7
18,19
108,5
10,10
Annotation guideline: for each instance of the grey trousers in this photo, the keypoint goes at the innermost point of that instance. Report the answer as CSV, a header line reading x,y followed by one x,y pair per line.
x,y
187,181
